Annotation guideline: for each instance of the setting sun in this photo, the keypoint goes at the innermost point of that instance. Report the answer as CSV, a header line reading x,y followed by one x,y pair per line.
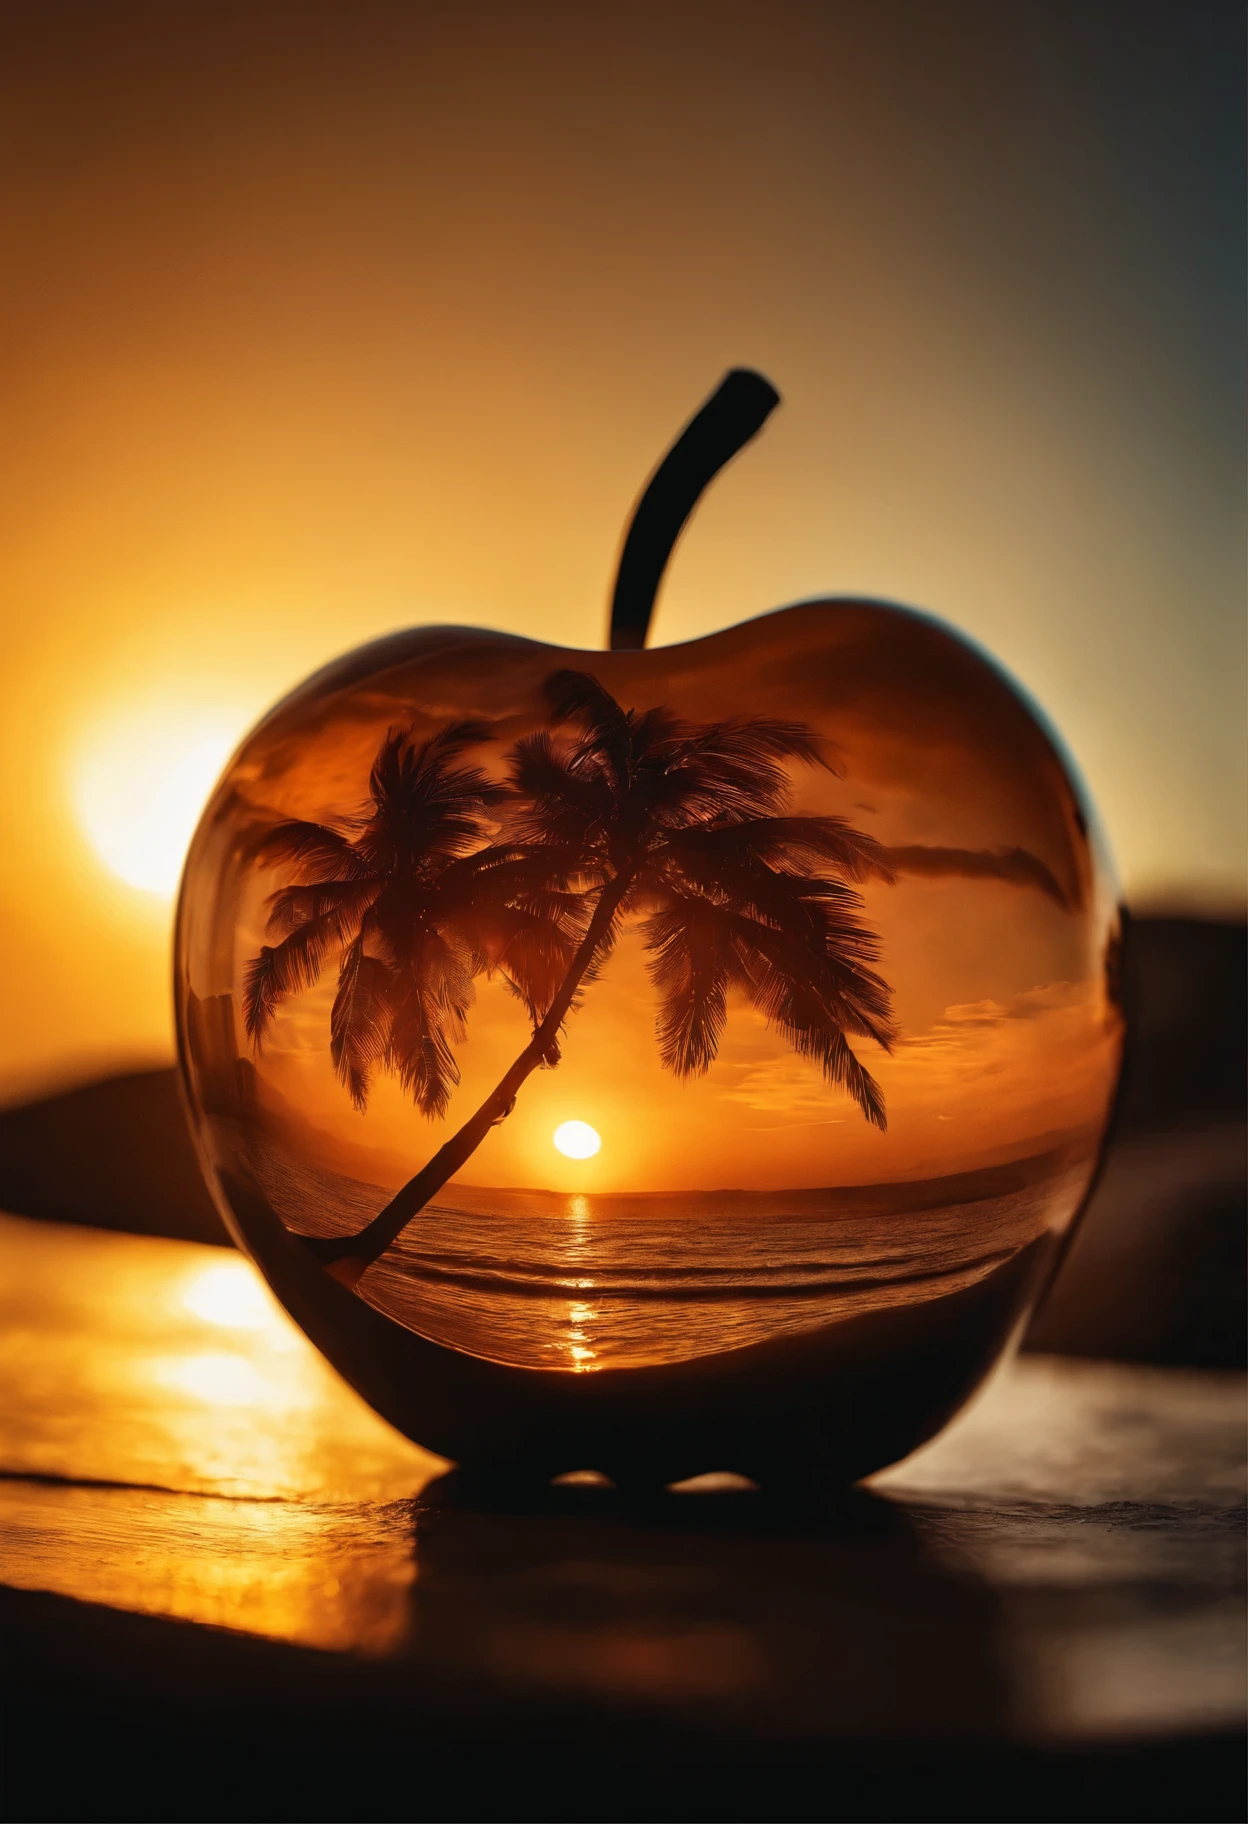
x,y
577,1140
140,785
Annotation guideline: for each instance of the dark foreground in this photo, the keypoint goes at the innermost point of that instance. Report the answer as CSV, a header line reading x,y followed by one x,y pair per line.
x,y
75,1761
228,1591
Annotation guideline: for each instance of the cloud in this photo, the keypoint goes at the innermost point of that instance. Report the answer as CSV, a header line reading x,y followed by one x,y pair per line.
x,y
986,1074
1019,867
1031,1004
1047,1031
972,1040
785,1086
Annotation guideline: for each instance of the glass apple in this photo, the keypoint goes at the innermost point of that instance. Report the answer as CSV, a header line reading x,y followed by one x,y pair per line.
x,y
654,1061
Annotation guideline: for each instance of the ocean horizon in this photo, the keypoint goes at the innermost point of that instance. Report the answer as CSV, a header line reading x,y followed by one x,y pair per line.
x,y
581,1280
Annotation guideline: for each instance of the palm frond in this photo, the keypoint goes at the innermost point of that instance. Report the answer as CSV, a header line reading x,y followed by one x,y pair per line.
x,y
562,802
292,907
403,763
432,998
535,958
283,969
449,742
360,1021
748,740
831,1050
577,696
790,843
428,1023
808,925
792,984
692,962
423,805
736,768
317,851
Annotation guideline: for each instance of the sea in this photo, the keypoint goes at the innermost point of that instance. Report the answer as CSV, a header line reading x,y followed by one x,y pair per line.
x,y
549,1279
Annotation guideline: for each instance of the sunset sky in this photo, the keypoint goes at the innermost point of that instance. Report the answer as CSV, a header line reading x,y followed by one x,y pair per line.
x,y
1006,1044
321,320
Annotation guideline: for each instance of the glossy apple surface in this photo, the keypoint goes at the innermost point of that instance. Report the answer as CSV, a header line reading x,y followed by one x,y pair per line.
x,y
752,1272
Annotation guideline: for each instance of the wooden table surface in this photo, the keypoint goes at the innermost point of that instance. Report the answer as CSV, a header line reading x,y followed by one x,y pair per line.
x,y
230,1589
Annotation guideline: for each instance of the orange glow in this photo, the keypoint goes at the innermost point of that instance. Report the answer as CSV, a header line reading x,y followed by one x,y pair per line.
x,y
140,783
125,1355
169,1368
843,1037
997,984
218,1380
261,422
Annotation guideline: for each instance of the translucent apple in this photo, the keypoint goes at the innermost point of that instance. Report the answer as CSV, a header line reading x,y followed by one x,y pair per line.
x,y
805,924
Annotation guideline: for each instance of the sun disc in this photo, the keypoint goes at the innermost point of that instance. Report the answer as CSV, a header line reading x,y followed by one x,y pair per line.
x,y
140,784
577,1140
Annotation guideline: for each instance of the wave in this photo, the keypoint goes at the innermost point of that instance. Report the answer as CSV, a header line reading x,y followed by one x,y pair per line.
x,y
543,1278
689,1289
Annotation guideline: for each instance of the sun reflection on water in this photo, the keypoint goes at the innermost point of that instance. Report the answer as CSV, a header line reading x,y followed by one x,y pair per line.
x,y
583,1356
579,1344
142,1375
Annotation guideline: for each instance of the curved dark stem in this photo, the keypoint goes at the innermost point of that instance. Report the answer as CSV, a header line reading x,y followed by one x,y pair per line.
x,y
735,412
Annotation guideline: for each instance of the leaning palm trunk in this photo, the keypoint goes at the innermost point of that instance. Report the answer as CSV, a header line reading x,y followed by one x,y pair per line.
x,y
347,1256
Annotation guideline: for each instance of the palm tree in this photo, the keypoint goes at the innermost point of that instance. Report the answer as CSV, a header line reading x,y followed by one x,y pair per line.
x,y
415,901
686,827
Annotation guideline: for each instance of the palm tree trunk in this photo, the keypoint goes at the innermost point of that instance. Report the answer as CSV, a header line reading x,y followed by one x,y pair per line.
x,y
348,1255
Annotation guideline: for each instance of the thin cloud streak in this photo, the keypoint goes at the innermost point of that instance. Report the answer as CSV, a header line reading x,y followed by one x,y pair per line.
x,y
1017,866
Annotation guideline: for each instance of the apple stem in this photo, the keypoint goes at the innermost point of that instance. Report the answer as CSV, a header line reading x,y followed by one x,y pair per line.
x,y
735,412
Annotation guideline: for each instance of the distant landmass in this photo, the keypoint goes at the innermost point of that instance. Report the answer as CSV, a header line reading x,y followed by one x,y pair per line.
x,y
116,1154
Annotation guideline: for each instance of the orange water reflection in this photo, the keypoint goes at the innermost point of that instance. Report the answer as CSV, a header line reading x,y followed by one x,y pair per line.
x,y
579,1345
168,1371
337,1581
128,1359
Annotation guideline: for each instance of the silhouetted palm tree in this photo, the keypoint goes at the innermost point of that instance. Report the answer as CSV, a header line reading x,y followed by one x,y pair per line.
x,y
415,902
685,826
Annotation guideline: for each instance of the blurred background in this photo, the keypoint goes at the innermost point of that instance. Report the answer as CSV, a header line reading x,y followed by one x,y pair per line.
x,y
317,320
